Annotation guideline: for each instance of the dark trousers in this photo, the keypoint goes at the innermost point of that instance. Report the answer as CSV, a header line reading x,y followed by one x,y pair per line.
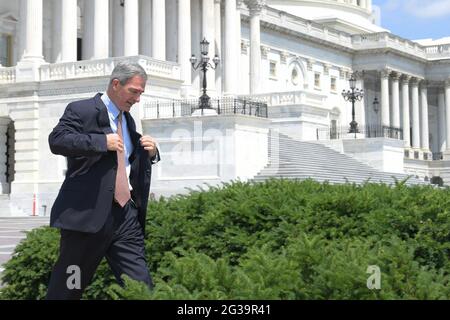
x,y
121,241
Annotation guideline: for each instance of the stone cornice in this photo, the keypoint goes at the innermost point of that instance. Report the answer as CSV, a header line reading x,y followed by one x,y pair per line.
x,y
436,84
382,42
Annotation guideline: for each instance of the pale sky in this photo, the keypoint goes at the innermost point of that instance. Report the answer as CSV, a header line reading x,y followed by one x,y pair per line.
x,y
416,19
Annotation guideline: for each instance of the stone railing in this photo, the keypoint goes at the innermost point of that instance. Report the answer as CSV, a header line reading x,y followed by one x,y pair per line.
x,y
7,75
381,40
95,68
281,19
291,98
104,67
438,51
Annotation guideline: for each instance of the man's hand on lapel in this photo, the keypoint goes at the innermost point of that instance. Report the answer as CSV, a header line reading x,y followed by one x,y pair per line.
x,y
149,144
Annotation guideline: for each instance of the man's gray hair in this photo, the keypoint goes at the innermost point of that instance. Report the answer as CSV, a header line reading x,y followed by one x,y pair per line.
x,y
125,70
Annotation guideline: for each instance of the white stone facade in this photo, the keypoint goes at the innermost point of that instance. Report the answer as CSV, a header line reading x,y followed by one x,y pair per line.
x,y
295,55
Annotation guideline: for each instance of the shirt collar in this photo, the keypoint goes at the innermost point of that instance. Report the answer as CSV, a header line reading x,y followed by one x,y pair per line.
x,y
112,108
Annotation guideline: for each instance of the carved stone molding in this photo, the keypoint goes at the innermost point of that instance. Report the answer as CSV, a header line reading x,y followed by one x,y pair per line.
x,y
326,68
264,51
283,56
415,81
385,73
342,73
405,78
309,64
395,76
245,44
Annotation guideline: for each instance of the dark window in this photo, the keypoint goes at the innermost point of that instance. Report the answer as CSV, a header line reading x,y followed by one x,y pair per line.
x,y
79,49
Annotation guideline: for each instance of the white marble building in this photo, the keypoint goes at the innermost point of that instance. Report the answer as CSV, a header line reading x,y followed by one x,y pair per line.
x,y
296,55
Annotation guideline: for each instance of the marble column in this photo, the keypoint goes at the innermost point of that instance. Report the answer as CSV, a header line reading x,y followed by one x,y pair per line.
x,y
441,122
231,47
184,42
131,28
218,43
385,117
405,110
239,6
159,29
447,113
33,30
395,100
65,31
425,143
415,113
255,8
96,29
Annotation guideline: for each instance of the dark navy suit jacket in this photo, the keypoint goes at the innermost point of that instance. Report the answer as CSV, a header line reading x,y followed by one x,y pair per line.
x,y
86,195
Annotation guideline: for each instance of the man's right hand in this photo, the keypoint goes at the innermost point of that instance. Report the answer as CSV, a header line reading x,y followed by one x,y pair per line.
x,y
113,142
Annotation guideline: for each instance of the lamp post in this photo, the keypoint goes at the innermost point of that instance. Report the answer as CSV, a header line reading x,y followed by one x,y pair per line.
x,y
353,95
204,64
376,108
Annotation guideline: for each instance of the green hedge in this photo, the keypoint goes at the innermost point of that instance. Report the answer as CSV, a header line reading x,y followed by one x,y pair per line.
x,y
279,239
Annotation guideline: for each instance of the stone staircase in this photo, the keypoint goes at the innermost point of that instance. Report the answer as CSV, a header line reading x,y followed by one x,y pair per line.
x,y
293,159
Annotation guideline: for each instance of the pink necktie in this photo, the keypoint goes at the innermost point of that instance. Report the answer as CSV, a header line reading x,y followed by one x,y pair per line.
x,y
122,192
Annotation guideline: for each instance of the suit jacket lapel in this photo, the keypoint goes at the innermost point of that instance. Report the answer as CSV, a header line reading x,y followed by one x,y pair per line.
x,y
102,115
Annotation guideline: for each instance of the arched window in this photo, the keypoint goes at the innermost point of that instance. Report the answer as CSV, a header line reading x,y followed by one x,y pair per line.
x,y
296,76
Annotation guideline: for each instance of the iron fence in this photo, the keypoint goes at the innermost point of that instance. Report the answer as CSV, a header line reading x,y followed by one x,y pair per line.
x,y
221,106
369,131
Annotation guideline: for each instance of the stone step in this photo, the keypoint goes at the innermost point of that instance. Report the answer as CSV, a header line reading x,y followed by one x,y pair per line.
x,y
293,159
342,170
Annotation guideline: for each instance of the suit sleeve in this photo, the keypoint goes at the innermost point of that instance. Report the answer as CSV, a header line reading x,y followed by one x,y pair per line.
x,y
156,158
68,139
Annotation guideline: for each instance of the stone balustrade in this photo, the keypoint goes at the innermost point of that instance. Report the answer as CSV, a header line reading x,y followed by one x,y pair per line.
x,y
96,68
291,98
438,51
7,75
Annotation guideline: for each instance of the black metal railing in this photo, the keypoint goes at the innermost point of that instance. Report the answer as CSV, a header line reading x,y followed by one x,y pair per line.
x,y
186,108
368,131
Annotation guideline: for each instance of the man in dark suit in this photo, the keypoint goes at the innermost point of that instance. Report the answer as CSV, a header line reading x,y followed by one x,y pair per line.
x,y
102,203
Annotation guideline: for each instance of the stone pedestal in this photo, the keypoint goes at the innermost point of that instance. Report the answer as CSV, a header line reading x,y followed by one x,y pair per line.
x,y
206,151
